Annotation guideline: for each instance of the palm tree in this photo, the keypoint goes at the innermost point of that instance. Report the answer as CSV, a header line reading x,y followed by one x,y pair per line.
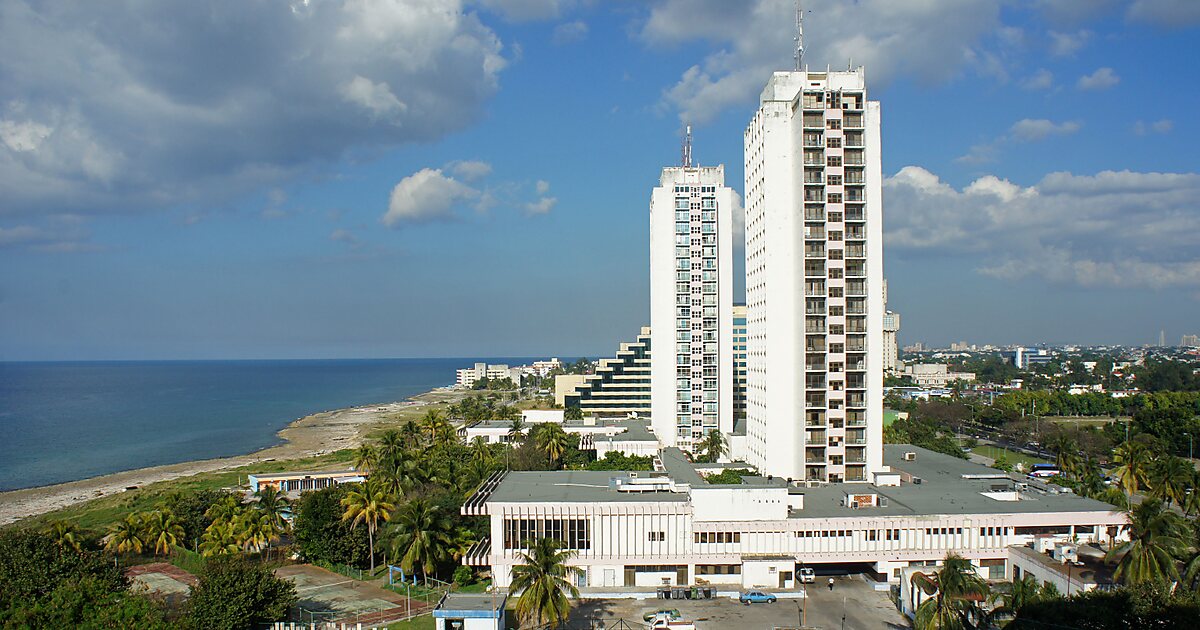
x,y
220,539
1169,479
1191,570
126,536
66,535
369,504
364,457
544,579
1064,448
274,506
391,444
713,445
506,413
480,452
1155,537
1017,594
516,431
226,508
421,536
956,592
552,440
253,531
1133,464
1191,499
163,531
432,422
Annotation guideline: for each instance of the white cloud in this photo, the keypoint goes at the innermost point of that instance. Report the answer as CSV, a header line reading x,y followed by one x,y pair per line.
x,y
542,186
470,170
374,97
931,41
427,195
1067,44
1024,130
1073,11
541,206
1168,13
1101,79
1112,229
570,32
1043,79
63,233
1142,128
100,111
1030,129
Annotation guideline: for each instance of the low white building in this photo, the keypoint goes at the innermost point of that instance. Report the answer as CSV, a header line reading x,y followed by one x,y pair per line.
x,y
469,611
935,374
670,527
467,377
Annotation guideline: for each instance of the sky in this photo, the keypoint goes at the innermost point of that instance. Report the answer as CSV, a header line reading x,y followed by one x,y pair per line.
x,y
420,178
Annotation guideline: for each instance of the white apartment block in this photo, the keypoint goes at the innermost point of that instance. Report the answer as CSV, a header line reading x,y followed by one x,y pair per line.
x,y
814,278
891,351
935,374
691,305
649,529
467,377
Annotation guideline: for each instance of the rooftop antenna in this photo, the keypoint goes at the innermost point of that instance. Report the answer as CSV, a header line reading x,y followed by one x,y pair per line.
x,y
799,39
686,158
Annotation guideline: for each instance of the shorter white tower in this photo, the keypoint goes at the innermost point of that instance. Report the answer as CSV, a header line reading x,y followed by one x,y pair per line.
x,y
691,303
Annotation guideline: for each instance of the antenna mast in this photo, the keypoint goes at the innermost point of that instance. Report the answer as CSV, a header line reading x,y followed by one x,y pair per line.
x,y
686,158
799,39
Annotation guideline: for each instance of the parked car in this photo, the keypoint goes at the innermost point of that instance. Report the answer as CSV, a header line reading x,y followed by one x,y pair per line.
x,y
756,597
806,575
664,621
670,613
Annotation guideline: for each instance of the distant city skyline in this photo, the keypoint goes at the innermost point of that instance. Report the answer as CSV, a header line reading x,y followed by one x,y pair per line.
x,y
439,178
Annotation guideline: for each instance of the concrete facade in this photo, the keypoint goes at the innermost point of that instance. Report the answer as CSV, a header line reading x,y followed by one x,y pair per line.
x,y
691,304
814,279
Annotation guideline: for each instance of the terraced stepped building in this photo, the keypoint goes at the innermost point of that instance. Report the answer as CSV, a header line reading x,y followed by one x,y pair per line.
x,y
620,386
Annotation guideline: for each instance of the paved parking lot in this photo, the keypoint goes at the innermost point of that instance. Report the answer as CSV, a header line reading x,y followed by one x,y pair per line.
x,y
865,609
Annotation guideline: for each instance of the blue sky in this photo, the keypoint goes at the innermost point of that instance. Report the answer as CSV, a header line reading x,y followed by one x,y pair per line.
x,y
438,178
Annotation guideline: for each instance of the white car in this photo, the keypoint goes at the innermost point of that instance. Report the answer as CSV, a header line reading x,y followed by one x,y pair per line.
x,y
806,575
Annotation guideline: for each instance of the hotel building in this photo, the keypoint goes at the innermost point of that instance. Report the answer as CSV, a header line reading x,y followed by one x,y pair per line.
x,y
619,388
691,304
671,527
739,362
814,274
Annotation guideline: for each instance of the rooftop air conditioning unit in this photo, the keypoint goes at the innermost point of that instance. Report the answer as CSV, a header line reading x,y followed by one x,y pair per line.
x,y
910,456
916,480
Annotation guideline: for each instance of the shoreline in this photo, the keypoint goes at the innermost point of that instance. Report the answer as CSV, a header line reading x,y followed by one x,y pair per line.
x,y
311,436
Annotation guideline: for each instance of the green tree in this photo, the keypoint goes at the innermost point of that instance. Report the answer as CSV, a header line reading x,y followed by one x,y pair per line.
x,y
552,440
1002,463
66,535
1016,595
420,535
1133,462
233,593
33,565
88,602
729,476
162,531
127,535
320,532
220,539
713,445
956,592
369,504
365,457
1155,537
573,414
544,579
189,508
274,506
1169,479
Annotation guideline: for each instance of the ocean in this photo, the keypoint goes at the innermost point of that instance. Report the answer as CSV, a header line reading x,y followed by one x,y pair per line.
x,y
73,420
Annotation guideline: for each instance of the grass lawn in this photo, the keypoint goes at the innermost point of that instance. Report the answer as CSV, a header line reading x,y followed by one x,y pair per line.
x,y
890,416
424,622
1013,457
104,511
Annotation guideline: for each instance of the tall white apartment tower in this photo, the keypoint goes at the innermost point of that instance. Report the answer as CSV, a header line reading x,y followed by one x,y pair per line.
x,y
691,305
814,274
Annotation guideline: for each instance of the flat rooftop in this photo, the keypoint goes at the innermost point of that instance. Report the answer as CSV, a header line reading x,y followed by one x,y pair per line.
x,y
305,475
943,489
472,601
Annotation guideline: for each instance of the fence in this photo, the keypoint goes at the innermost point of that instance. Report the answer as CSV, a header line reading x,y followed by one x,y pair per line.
x,y
344,569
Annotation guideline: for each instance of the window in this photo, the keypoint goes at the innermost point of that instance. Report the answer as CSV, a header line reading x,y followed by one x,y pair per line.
x,y
718,569
656,536
573,533
833,143
717,537
833,123
833,160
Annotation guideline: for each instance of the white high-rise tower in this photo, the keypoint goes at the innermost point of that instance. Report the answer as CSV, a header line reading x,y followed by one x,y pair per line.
x,y
691,304
814,274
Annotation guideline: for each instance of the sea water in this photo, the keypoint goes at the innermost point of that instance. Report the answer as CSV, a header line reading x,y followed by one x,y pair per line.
x,y
73,420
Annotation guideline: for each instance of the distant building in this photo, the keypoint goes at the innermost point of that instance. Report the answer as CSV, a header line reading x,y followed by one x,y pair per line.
x,y
1024,358
467,377
916,347
620,386
302,481
935,374
891,354
739,362
960,346
1190,341
543,368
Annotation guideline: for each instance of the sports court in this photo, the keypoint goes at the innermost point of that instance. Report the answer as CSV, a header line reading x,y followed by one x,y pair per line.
x,y
328,596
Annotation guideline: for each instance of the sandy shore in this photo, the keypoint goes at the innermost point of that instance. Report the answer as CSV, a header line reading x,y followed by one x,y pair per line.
x,y
309,436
